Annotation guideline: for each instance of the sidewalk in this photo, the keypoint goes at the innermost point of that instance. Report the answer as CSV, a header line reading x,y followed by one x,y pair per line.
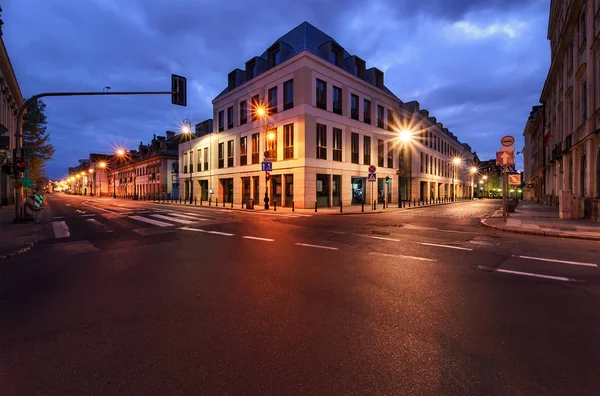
x,y
535,219
346,210
17,239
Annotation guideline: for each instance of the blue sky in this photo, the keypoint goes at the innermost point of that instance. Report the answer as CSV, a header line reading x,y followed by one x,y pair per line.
x,y
477,65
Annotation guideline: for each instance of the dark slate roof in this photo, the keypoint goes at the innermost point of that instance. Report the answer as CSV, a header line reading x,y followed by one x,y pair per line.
x,y
305,37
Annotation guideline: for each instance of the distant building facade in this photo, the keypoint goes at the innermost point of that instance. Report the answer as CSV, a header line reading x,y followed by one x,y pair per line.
x,y
533,175
11,100
568,169
328,118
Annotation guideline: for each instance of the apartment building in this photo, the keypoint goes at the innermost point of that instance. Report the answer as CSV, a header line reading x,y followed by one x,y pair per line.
x,y
570,161
11,100
321,117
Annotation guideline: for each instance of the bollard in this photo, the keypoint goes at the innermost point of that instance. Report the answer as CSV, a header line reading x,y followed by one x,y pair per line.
x,y
179,199
315,206
223,202
362,209
200,200
374,204
275,205
340,205
232,204
216,201
292,206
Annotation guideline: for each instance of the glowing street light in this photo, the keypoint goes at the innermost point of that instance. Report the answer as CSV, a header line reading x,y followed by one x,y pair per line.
x,y
271,135
120,152
456,161
102,165
91,170
261,111
473,170
405,136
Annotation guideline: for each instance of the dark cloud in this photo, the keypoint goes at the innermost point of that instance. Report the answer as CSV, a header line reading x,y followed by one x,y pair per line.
x,y
478,66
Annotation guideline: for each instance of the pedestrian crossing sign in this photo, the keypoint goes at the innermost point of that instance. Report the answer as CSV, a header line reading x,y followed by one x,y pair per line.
x,y
372,177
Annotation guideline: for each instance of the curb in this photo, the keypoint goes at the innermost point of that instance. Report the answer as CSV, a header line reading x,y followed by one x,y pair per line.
x,y
484,223
17,252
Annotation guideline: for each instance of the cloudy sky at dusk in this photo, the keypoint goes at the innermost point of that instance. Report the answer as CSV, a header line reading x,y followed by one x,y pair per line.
x,y
477,65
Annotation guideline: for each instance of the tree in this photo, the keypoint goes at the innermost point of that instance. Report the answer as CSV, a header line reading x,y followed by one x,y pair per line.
x,y
36,139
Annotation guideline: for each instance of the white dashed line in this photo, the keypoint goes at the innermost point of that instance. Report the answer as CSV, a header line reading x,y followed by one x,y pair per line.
x,y
186,216
401,256
61,230
558,261
445,246
317,246
88,215
258,239
560,278
206,231
382,238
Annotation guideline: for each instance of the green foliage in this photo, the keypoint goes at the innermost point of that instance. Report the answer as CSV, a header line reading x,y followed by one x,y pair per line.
x,y
36,139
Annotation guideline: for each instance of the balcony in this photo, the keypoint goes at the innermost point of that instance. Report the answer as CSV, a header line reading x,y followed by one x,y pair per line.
x,y
557,151
569,142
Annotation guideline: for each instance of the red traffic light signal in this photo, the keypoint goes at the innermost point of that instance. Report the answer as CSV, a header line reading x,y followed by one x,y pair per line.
x,y
21,165
267,175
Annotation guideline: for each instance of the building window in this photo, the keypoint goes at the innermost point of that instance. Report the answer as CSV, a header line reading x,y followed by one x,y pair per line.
x,y
354,106
337,144
583,176
255,148
288,141
367,111
199,160
380,156
243,150
354,147
390,155
321,94
337,100
426,163
230,117
321,141
333,57
271,144
255,104
367,150
221,121
205,158
583,25
185,163
221,155
230,153
251,70
380,115
584,101
390,120
272,96
422,161
243,112
274,56
288,94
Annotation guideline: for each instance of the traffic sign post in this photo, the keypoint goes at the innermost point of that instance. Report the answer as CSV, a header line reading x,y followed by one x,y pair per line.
x,y
372,178
505,158
267,166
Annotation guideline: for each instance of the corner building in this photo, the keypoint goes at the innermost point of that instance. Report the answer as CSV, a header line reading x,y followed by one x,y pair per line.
x,y
328,118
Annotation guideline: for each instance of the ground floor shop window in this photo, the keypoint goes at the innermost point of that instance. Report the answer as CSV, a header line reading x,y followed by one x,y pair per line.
x,y
323,190
358,189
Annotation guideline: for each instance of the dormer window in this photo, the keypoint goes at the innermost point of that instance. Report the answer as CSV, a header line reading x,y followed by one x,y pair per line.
x,y
333,56
336,55
378,79
274,56
250,69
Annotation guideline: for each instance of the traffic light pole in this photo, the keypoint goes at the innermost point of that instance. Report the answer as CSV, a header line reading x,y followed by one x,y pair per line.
x,y
19,131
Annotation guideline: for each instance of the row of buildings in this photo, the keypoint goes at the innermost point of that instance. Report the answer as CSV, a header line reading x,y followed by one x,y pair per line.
x,y
11,100
562,135
320,117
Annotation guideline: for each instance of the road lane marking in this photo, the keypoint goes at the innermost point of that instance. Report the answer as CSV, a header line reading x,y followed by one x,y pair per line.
x,y
61,230
445,246
151,221
88,215
58,217
557,261
382,238
81,211
258,239
316,246
188,216
206,231
172,219
99,208
100,225
560,278
401,256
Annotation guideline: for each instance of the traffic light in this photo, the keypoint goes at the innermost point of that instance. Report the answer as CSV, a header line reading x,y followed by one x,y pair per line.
x,y
178,90
387,179
267,176
20,165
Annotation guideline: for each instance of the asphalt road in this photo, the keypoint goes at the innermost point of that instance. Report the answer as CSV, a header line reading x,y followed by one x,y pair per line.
x,y
135,298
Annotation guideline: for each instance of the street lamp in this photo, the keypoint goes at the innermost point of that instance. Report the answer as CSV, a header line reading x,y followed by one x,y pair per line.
x,y
455,162
119,153
186,129
102,165
405,136
473,171
487,193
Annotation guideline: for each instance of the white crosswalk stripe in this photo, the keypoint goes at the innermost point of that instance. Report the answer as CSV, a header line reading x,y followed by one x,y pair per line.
x,y
151,221
60,229
176,220
188,216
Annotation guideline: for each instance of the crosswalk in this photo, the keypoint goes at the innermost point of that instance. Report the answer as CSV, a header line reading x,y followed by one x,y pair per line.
x,y
85,222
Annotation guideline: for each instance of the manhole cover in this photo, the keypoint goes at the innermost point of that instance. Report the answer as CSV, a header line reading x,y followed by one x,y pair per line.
x,y
484,243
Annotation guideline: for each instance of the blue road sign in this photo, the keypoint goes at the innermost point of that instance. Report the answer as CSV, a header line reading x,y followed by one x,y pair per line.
x,y
267,166
372,177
